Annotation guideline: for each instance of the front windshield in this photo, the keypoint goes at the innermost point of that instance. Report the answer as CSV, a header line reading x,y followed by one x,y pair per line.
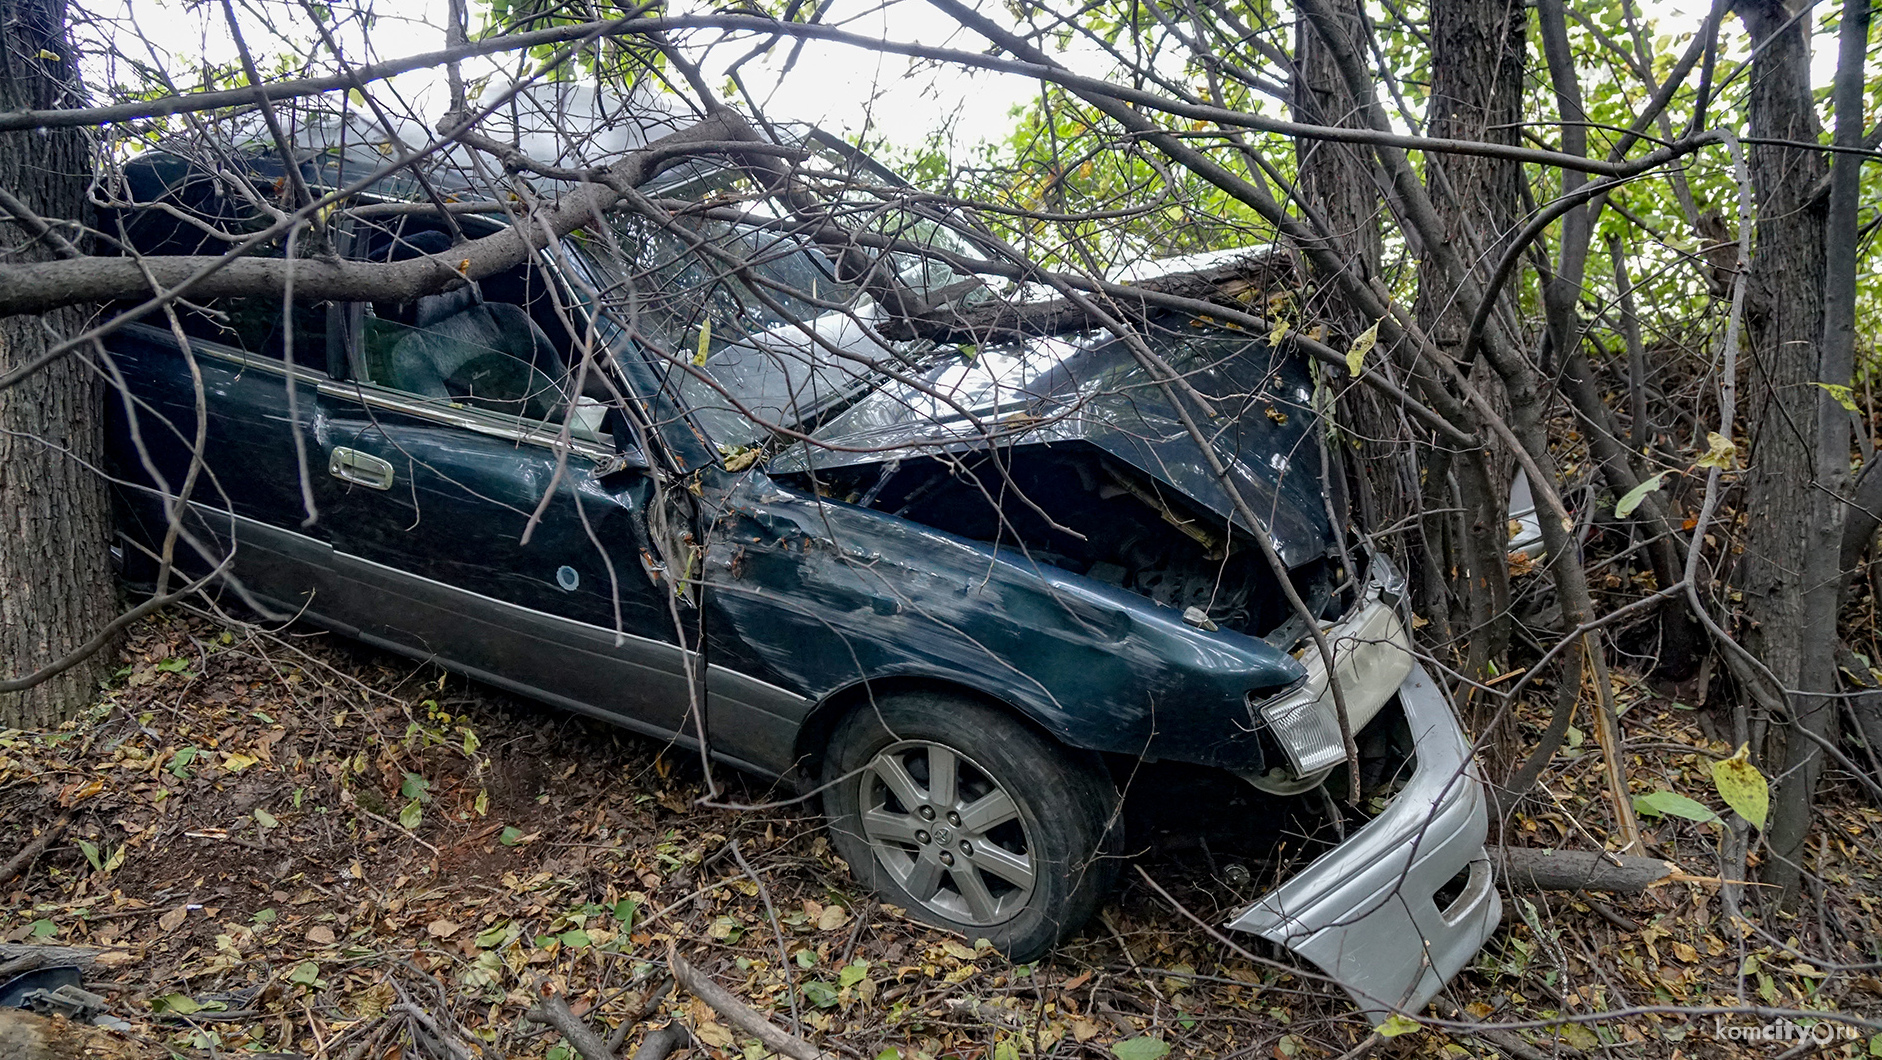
x,y
747,325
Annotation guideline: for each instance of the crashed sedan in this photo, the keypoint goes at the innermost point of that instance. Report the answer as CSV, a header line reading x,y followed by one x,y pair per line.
x,y
676,476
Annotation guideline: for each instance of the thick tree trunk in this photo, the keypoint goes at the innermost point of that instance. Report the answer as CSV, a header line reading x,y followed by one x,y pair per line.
x,y
1478,51
55,518
1338,191
1790,626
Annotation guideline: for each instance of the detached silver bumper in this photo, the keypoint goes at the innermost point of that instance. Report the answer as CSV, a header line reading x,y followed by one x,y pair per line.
x,y
1365,913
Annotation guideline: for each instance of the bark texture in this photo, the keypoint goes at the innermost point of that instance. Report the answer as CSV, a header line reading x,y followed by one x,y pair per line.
x,y
56,588
1784,498
1478,54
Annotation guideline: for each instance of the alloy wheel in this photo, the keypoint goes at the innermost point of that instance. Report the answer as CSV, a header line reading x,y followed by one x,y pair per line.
x,y
948,833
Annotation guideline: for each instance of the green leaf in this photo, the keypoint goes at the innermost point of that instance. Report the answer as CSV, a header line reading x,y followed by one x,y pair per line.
x,y
414,787
42,928
1742,787
624,911
510,836
1639,493
575,939
181,1004
413,813
1356,358
1843,395
492,936
264,916
173,666
806,958
1396,1024
1145,1048
820,994
892,1053
266,819
306,973
90,851
1664,803
558,1052
853,973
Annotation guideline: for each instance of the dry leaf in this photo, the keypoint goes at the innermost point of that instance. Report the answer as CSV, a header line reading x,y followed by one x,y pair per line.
x,y
320,935
173,919
833,917
442,929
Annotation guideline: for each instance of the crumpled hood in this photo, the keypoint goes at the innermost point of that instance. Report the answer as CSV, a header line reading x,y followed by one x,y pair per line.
x,y
1089,387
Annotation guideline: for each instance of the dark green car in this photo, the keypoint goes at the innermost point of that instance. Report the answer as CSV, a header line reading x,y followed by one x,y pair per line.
x,y
671,473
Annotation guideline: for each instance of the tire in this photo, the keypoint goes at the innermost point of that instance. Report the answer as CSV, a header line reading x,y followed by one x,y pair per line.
x,y
1025,833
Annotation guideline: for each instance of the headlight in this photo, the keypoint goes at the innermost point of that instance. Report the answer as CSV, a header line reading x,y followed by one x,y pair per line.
x,y
1371,655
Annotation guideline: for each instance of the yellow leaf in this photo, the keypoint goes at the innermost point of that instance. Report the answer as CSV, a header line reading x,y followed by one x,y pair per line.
x,y
464,266
1742,787
48,55
714,1034
235,763
705,344
1356,356
1281,328
1396,1024
1843,395
1722,454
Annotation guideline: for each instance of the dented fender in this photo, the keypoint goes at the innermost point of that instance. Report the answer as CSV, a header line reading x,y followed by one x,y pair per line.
x,y
816,595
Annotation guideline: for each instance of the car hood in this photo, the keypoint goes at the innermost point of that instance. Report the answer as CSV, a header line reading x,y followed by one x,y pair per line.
x,y
1089,387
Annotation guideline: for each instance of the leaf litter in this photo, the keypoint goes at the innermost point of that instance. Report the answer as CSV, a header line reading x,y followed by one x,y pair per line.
x,y
291,844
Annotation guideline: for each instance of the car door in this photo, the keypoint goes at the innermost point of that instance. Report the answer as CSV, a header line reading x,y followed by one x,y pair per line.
x,y
438,455
246,502
256,364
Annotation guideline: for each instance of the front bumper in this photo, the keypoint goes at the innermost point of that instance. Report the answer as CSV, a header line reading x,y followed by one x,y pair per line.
x,y
1366,912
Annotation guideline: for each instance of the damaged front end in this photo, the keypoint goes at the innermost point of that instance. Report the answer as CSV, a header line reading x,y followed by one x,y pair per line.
x,y
1032,521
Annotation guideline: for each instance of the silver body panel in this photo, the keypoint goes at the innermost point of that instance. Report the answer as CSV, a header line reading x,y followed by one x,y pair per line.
x,y
1365,912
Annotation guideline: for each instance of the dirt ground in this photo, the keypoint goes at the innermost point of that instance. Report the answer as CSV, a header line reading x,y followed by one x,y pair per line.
x,y
286,843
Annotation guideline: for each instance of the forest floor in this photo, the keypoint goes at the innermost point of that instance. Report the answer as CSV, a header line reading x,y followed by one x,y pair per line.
x,y
287,843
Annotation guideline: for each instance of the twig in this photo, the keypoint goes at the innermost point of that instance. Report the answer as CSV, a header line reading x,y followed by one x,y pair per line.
x,y
738,1013
21,861
784,956
556,1013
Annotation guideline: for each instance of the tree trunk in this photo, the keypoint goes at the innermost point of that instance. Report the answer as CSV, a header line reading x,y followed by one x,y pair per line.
x,y
55,518
1478,52
1782,572
1339,192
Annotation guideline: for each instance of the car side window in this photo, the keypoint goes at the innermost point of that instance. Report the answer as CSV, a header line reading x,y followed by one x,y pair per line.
x,y
482,345
257,325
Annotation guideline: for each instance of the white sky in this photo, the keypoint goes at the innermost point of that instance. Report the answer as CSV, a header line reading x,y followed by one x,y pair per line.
x,y
843,89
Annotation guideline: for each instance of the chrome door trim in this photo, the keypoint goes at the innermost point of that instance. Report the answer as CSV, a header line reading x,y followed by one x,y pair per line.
x,y
547,436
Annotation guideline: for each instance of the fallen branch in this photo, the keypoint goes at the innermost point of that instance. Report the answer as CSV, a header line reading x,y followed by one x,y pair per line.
x,y
27,1036
16,957
23,860
1530,868
555,1012
738,1013
660,1041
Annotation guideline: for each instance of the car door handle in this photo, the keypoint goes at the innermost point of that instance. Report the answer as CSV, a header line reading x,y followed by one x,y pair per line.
x,y
351,465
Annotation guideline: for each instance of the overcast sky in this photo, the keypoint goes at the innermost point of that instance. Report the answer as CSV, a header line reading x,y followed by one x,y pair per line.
x,y
846,90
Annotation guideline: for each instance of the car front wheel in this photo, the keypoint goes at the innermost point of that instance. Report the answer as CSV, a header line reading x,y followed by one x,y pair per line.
x,y
970,820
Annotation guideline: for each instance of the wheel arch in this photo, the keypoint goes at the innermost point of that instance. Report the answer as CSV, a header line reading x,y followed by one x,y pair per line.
x,y
813,736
